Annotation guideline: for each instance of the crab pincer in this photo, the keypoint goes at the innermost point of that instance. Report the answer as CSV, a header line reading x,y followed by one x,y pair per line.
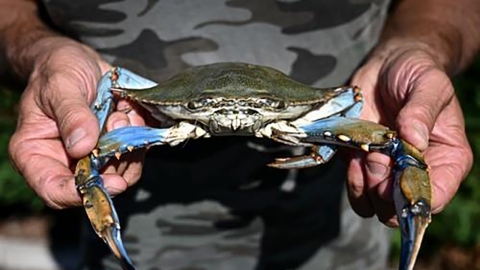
x,y
413,200
412,192
97,203
101,213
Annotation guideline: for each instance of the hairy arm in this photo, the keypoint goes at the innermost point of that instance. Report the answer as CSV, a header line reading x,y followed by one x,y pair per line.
x,y
20,29
27,41
449,29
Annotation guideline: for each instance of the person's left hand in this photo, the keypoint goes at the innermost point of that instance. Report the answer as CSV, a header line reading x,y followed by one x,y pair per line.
x,y
408,91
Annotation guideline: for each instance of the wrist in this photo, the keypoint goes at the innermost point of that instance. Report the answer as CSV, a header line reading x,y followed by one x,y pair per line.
x,y
20,28
438,49
28,52
27,41
447,30
39,55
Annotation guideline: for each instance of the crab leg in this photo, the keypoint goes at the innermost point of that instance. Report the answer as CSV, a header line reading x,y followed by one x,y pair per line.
x,y
413,200
412,189
96,201
319,155
100,210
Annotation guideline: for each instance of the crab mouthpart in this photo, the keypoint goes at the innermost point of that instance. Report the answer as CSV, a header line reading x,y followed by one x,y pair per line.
x,y
235,122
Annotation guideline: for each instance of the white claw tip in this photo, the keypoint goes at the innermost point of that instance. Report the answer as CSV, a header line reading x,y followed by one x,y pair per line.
x,y
365,147
343,138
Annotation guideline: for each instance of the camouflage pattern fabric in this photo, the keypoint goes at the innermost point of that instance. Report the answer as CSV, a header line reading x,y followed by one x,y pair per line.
x,y
213,204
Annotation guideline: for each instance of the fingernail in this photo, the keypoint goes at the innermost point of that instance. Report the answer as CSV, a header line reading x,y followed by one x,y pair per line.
x,y
120,123
75,137
377,169
422,131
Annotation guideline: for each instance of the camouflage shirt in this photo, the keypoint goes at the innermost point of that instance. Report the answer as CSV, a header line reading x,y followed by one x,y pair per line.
x,y
212,204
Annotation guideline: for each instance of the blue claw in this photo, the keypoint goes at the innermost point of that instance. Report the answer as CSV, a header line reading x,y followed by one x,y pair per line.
x,y
103,217
412,187
96,201
113,239
412,196
413,226
127,79
117,77
102,106
127,139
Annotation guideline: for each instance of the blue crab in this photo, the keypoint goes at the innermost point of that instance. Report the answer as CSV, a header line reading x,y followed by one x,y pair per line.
x,y
228,99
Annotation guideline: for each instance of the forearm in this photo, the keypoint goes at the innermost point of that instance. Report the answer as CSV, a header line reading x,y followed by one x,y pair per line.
x,y
20,30
450,30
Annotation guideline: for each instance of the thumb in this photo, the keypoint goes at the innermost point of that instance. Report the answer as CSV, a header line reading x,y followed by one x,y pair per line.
x,y
67,99
427,97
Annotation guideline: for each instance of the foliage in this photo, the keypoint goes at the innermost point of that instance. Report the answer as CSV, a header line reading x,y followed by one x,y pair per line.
x,y
13,190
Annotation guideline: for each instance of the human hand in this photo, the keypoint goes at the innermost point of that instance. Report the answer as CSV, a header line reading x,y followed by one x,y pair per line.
x,y
56,126
407,90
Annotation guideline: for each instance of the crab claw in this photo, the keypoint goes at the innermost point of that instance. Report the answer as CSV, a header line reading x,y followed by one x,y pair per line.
x,y
104,219
412,187
413,227
412,198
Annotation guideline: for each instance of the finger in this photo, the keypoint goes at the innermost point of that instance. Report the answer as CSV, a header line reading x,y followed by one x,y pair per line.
x,y
449,156
68,105
130,165
117,120
446,173
357,189
133,112
379,185
377,175
429,94
54,182
45,170
385,211
114,183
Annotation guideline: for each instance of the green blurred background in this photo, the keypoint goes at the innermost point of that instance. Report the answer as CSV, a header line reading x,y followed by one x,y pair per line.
x,y
452,240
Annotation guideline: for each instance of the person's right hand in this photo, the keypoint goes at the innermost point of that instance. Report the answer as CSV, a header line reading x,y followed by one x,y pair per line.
x,y
55,124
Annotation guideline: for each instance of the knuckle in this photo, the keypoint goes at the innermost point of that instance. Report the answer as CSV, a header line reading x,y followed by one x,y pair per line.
x,y
50,90
469,157
133,176
422,111
25,163
67,83
356,187
51,204
52,190
18,152
70,115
